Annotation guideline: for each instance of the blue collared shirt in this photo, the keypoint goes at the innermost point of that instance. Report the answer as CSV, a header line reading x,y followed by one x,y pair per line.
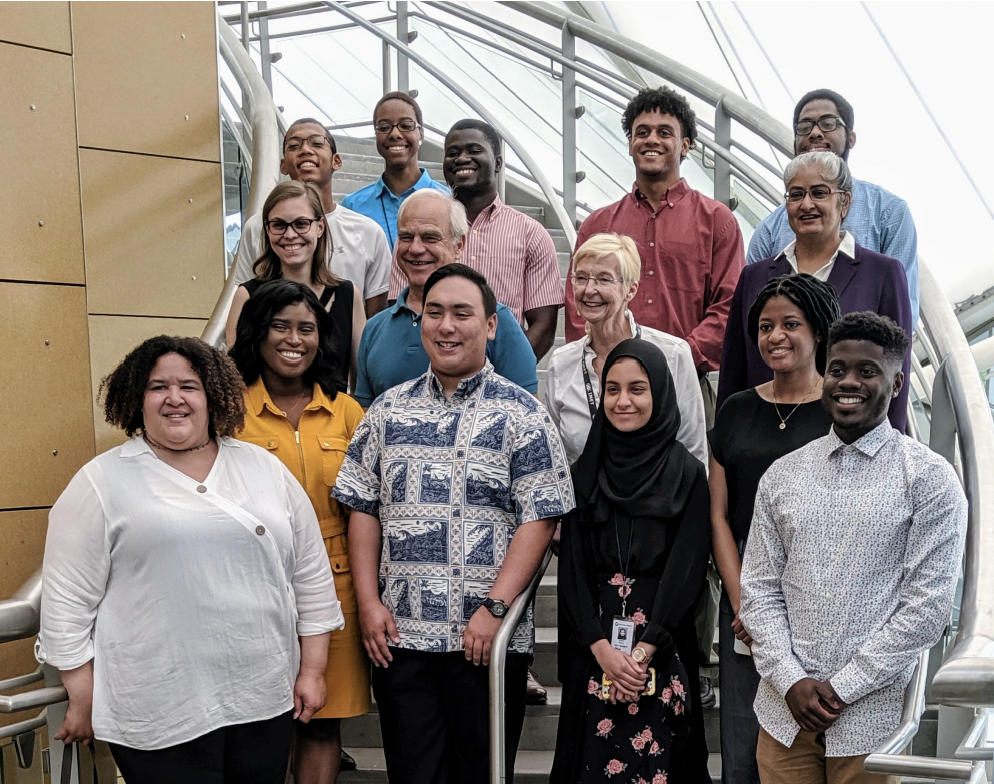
x,y
451,481
879,220
378,202
391,351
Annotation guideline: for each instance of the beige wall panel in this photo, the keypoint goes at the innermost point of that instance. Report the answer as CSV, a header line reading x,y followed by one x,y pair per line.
x,y
38,168
36,24
45,418
111,338
23,537
146,77
152,234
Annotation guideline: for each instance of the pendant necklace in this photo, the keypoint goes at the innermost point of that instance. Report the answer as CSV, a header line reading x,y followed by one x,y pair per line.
x,y
783,420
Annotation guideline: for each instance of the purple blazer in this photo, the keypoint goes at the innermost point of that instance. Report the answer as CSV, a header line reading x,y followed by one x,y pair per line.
x,y
870,281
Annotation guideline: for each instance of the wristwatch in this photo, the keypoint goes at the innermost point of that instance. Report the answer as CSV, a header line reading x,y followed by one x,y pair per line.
x,y
498,609
639,654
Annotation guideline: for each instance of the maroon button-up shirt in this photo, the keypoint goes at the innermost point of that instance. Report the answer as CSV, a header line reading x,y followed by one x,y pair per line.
x,y
692,256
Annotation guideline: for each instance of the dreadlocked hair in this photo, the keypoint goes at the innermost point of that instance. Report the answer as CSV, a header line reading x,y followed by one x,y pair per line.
x,y
817,300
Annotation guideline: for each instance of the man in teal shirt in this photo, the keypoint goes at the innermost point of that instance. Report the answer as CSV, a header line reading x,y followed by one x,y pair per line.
x,y
432,232
399,133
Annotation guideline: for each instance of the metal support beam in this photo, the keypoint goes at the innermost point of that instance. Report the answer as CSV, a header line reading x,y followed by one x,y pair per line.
x,y
386,68
403,34
246,30
569,126
722,168
265,58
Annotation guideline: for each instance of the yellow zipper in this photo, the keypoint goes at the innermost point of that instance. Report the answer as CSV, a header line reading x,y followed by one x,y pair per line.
x,y
300,453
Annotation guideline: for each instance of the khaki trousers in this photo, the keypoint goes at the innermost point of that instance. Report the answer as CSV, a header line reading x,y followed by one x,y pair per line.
x,y
805,763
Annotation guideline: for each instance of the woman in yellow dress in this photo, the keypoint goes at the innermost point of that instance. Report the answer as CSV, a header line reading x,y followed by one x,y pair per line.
x,y
287,352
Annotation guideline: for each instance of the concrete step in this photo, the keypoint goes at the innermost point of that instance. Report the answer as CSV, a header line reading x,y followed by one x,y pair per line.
x,y
563,258
530,767
559,238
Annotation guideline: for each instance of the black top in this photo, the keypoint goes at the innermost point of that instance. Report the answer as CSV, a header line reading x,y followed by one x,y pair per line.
x,y
747,440
340,312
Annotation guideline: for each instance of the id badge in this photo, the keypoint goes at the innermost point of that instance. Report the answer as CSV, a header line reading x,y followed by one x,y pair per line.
x,y
622,633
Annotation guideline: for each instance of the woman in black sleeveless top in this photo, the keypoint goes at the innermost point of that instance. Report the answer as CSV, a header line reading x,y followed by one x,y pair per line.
x,y
789,323
295,242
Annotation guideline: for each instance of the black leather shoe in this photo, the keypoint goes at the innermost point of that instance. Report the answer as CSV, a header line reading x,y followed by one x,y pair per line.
x,y
708,698
535,693
348,761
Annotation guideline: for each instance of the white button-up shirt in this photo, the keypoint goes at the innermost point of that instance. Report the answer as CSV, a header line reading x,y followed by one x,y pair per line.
x,y
847,247
566,396
849,573
188,596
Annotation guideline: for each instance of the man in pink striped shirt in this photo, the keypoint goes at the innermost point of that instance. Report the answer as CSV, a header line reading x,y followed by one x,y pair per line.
x,y
513,251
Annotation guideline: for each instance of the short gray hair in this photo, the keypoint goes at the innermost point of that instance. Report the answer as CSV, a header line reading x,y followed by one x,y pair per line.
x,y
833,169
458,222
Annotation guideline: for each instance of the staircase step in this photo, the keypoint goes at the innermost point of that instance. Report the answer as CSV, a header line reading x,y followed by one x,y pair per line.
x,y
559,238
530,767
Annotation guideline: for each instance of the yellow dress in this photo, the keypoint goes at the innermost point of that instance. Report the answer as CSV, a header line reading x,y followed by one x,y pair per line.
x,y
314,454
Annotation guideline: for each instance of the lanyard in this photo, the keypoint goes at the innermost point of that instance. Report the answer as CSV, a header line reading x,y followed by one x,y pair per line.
x,y
622,560
589,387
391,238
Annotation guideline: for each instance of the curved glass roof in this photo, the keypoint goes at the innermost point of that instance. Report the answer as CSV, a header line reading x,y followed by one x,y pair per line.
x,y
903,66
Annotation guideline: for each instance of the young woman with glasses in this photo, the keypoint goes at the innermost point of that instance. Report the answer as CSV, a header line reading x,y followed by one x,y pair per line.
x,y
294,247
818,195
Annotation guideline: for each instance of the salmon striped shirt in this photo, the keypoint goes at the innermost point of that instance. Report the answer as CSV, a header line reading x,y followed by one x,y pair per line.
x,y
514,253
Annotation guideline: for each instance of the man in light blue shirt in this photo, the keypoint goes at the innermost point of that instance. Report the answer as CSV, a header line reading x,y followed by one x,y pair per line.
x,y
432,233
877,219
399,133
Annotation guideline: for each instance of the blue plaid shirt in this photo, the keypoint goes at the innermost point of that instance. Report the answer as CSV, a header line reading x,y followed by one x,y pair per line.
x,y
879,220
378,202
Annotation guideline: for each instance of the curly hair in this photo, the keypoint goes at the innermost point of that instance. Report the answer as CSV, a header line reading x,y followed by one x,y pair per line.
x,y
665,101
268,266
329,370
817,300
874,328
123,390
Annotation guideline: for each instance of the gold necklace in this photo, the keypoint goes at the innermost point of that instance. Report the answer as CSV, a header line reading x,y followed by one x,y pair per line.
x,y
783,420
290,411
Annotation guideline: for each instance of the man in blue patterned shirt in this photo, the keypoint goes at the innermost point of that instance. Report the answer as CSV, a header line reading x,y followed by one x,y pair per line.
x,y
456,480
849,570
879,220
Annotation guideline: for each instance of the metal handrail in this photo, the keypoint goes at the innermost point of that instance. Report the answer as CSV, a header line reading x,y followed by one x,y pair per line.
x,y
974,745
49,695
28,725
21,613
265,157
498,661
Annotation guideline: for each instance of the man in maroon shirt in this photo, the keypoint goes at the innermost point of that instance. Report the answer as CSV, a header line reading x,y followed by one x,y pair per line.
x,y
692,255
691,246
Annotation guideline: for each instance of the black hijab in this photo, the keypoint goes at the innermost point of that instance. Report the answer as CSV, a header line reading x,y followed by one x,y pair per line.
x,y
643,473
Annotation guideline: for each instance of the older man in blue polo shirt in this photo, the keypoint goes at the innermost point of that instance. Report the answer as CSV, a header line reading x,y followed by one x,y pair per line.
x,y
432,232
399,133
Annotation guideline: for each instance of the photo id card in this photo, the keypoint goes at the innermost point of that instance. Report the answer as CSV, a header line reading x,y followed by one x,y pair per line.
x,y
622,633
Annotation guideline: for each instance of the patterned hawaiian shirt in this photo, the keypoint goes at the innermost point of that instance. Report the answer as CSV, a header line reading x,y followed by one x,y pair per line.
x,y
849,573
451,480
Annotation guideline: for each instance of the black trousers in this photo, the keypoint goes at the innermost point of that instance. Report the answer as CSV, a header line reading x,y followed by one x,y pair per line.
x,y
252,753
435,716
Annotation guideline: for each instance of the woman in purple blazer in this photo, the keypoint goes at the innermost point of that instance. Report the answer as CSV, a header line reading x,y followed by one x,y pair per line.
x,y
819,193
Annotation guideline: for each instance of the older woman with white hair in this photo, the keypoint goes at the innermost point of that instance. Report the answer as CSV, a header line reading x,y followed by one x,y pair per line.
x,y
606,273
818,195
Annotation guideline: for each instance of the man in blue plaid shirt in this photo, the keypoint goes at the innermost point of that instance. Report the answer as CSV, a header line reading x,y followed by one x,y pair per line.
x,y
877,219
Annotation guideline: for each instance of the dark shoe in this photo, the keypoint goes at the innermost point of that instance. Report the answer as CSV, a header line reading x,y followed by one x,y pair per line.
x,y
348,761
535,693
708,698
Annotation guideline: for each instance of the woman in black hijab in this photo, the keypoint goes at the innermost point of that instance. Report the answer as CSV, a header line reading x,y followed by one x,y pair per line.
x,y
633,559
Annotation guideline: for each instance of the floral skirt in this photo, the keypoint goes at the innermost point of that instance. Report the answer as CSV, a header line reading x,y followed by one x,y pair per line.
x,y
632,742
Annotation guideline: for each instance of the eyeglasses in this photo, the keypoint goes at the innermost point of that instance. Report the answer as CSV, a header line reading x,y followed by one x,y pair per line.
x,y
385,126
300,225
818,193
601,281
316,142
827,123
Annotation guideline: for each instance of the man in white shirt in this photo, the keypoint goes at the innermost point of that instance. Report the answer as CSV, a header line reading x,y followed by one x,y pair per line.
x,y
358,249
849,571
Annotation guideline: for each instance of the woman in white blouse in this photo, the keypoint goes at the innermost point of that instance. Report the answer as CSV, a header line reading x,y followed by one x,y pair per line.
x,y
606,272
187,598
